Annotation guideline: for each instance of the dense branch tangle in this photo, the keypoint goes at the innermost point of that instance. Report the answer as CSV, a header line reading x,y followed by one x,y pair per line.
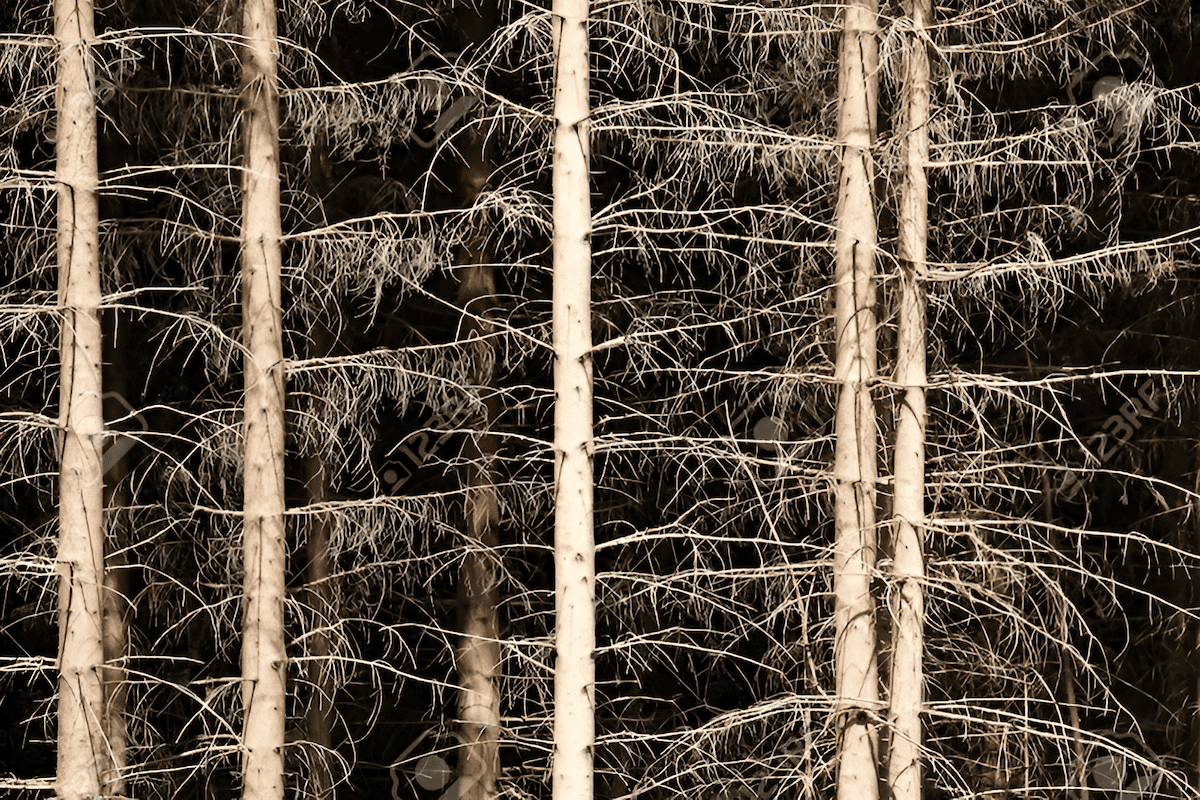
x,y
714,161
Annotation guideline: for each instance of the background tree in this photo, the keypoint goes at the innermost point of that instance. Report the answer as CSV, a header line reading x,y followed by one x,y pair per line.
x,y
319,719
115,599
418,385
478,653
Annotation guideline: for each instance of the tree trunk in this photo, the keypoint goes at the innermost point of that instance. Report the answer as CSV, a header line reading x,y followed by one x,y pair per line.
x,y
478,654
574,541
908,565
319,718
82,750
1193,715
479,644
856,670
116,581
264,662
318,570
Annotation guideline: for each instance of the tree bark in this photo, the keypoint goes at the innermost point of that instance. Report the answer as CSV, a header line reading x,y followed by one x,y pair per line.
x,y
264,661
855,649
82,751
574,542
908,564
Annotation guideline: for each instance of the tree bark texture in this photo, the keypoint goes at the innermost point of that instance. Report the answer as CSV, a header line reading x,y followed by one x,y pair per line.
x,y
908,565
574,543
264,661
856,670
82,750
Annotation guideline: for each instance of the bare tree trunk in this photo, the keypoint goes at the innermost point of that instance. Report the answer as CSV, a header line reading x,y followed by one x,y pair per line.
x,y
479,643
574,540
116,586
908,564
856,668
478,654
82,751
116,648
264,662
318,570
479,646
1193,715
318,573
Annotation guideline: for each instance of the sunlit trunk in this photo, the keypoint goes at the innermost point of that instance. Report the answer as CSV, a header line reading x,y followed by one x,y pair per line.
x,y
574,541
83,759
264,662
908,564
856,670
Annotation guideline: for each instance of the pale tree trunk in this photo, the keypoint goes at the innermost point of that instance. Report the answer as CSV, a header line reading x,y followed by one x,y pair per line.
x,y
856,670
908,565
82,750
478,655
574,542
264,662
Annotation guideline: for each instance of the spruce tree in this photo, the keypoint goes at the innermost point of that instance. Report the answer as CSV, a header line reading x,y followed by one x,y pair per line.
x,y
83,753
